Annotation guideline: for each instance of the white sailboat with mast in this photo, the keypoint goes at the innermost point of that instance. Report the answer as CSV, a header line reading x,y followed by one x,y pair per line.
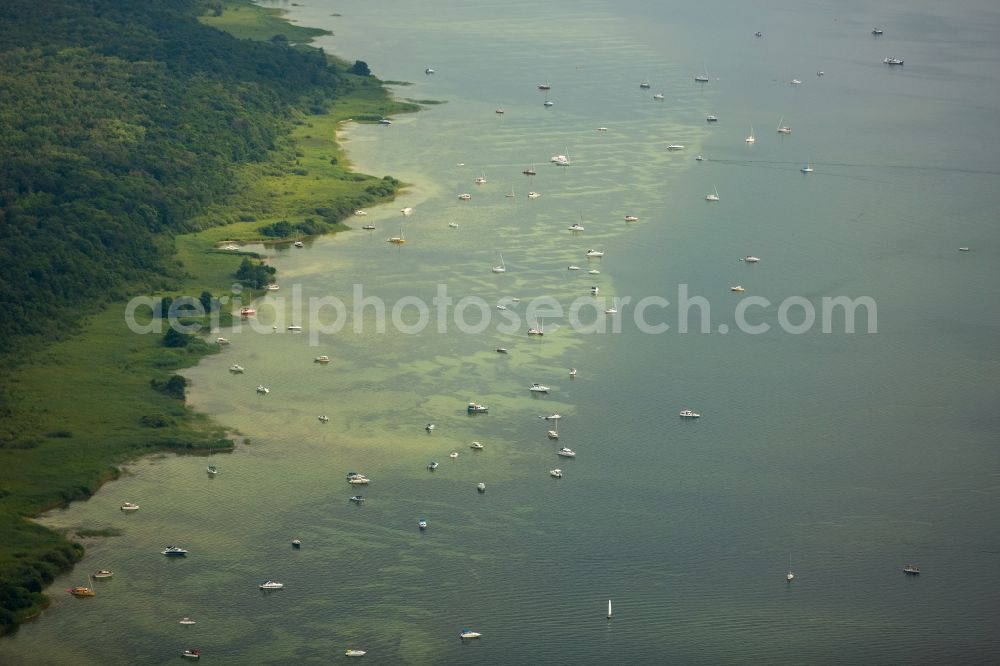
x,y
501,267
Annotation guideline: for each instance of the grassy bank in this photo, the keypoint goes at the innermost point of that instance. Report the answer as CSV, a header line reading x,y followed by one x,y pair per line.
x,y
83,406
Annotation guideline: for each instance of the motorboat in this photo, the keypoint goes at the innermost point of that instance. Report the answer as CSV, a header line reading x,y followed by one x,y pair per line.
x,y
536,331
299,244
432,465
711,119
644,85
130,506
595,290
553,434
593,271
469,633
566,452
750,259
271,585
807,168
355,653
795,82
548,103
422,523
538,388
103,573
186,621
360,212
464,196
533,195
476,446
481,180
406,211
572,268
911,570
273,287
212,470
576,226
357,499
263,390
877,31
429,427
501,306
555,473
296,543
893,61
499,111
476,408
355,475
369,227
658,96
174,551
602,129
758,34
453,455
236,369
81,591
222,341
701,78
631,218
294,327
322,359
553,417
384,121
688,414
544,86
572,372
453,225
323,418
675,146
481,487
698,158
501,350
611,311
192,654
429,70
359,480
738,288
247,312
595,253
964,249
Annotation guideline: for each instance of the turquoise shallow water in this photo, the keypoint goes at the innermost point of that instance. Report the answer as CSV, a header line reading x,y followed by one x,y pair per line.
x,y
850,454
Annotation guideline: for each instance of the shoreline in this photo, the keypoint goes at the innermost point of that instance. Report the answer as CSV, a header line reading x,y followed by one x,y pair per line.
x,y
205,267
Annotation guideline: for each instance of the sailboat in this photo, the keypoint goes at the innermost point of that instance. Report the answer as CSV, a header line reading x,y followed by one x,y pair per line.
x,y
783,129
702,78
481,180
714,196
501,267
751,139
807,168
789,576
397,240
609,609
510,195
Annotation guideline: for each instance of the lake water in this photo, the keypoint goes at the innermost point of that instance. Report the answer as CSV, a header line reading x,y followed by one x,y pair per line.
x,y
848,455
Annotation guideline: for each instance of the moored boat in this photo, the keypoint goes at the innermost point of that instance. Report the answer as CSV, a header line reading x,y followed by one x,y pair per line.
x,y
555,473
469,633
103,573
193,653
271,585
476,408
174,551
566,452
81,591
688,414
130,506
911,570
481,487
355,653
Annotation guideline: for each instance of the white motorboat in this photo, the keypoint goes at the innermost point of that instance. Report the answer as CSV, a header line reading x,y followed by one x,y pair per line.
x,y
501,306
369,227
174,551
359,480
536,331
572,268
432,465
323,418
795,82
355,653
465,196
453,225
552,417
644,85
593,271
429,427
481,487
555,473
611,311
658,96
236,369
602,129
499,111
688,414
893,61
186,621
501,350
553,434
273,287
750,259
538,388
406,211
595,253
566,452
533,195
698,158
271,585
469,633
360,213
595,290
221,341
807,168
572,372
711,119
212,470
476,446
130,506
714,196
631,218
262,390
323,358
299,244
738,288
294,327
675,147
544,86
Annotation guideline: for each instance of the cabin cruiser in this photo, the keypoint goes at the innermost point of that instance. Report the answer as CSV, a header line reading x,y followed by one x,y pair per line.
x,y
631,218
477,446
595,253
566,452
323,418
322,359
193,653
422,523
294,327
263,390
469,633
360,212
432,465
737,288
572,372
465,196
893,61
644,85
711,119
555,473
750,259
533,195
221,341
595,290
130,506
103,573
536,331
296,543
572,268
911,570
675,146
247,312
688,414
551,417
357,499
273,287
538,388
501,350
476,408
355,653
356,479
271,585
186,621
174,551
481,487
